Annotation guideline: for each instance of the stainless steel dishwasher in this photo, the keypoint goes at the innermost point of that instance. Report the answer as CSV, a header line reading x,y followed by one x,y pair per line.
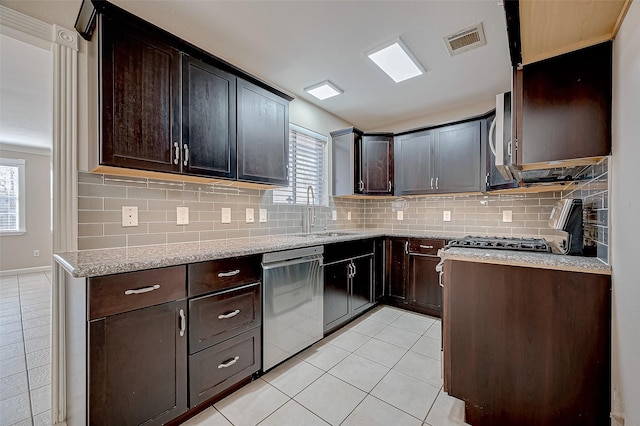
x,y
292,302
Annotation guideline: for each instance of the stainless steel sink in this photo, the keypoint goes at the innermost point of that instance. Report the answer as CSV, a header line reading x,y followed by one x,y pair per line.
x,y
328,234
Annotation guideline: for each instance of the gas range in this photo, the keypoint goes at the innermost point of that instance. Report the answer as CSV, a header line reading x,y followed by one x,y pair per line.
x,y
503,243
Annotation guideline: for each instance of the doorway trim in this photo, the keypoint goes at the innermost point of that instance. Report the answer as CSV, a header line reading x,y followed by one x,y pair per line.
x,y
63,43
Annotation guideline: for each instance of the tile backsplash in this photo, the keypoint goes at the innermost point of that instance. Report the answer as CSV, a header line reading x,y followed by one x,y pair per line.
x,y
593,189
101,197
470,214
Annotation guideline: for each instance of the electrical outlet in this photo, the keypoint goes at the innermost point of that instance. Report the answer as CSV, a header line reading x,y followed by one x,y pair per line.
x,y
507,216
348,215
263,215
226,215
129,216
446,216
248,215
334,215
36,253
183,215
400,215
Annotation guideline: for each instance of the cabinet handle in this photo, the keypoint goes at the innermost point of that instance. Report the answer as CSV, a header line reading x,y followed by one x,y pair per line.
x,y
389,186
355,271
349,271
425,247
361,186
186,154
229,363
228,274
406,247
142,290
436,183
229,315
183,322
176,145
431,183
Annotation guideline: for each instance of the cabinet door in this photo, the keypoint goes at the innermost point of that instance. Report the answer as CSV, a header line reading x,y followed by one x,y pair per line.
x,y
457,158
424,285
397,259
564,106
208,120
138,366
140,100
413,163
361,284
378,164
263,135
336,294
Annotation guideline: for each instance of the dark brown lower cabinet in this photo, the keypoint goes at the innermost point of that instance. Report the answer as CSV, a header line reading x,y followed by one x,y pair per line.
x,y
424,285
213,370
527,346
138,366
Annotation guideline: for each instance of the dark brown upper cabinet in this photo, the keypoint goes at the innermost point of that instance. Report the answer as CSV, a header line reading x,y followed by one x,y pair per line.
x,y
377,164
362,163
439,160
263,135
168,106
208,120
140,100
563,107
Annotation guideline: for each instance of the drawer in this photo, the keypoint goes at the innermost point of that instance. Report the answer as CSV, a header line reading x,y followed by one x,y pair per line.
x,y
220,316
339,251
215,369
216,275
113,294
425,246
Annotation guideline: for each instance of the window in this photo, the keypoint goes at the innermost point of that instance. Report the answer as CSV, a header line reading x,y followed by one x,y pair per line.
x,y
12,212
307,162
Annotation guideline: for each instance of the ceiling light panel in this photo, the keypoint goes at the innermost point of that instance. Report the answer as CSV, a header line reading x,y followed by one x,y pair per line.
x,y
396,60
323,90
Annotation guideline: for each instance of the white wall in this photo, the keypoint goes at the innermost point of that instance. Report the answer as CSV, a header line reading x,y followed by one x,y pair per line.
x,y
625,228
16,251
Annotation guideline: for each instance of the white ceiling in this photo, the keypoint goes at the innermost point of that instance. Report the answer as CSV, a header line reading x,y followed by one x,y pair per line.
x,y
26,94
295,44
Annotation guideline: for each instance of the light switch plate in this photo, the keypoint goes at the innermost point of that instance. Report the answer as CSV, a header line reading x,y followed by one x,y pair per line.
x,y
249,215
129,216
226,215
334,215
400,215
507,216
263,215
446,216
182,215
348,215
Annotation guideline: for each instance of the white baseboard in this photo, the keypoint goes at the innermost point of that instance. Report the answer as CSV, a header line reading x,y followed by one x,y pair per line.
x,y
25,271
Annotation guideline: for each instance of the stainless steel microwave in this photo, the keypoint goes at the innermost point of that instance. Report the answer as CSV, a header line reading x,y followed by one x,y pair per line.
x,y
500,135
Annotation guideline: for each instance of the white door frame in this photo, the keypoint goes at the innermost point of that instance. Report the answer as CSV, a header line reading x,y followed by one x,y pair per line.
x,y
63,43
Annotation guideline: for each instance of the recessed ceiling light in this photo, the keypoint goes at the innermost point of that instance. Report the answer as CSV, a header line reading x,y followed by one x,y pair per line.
x,y
323,90
395,59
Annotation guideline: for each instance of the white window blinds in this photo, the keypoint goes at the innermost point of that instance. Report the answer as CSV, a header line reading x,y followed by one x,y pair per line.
x,y
307,165
11,195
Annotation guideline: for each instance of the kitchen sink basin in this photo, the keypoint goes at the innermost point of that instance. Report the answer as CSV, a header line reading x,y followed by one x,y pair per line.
x,y
328,234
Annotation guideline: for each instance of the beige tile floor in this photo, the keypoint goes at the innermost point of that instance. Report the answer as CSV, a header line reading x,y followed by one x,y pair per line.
x,y
25,349
382,369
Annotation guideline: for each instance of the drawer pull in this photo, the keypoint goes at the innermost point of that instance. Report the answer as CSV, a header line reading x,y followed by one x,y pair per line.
x,y
229,363
228,274
142,290
229,315
425,247
183,322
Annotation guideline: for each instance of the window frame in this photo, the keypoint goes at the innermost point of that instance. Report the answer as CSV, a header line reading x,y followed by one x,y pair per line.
x,y
320,199
21,203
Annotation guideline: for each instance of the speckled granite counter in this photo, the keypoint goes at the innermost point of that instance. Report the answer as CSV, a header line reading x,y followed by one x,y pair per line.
x,y
528,259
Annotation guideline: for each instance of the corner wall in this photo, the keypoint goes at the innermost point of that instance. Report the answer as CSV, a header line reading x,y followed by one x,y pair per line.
x,y
16,251
625,229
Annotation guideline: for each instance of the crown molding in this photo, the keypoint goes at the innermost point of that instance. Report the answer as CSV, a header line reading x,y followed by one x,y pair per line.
x,y
34,31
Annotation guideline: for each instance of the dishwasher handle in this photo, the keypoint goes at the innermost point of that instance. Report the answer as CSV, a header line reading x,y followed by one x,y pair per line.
x,y
285,263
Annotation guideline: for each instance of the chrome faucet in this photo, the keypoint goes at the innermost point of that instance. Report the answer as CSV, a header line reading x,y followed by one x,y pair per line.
x,y
311,211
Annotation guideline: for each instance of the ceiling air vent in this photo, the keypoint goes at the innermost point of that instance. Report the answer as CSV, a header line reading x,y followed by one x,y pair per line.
x,y
466,39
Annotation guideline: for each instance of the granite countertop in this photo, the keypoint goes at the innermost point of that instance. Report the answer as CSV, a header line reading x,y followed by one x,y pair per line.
x,y
528,259
92,263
